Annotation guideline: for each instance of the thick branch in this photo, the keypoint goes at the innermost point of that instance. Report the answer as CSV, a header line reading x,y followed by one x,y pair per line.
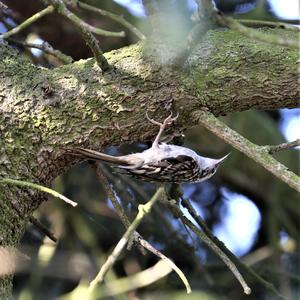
x,y
42,110
77,104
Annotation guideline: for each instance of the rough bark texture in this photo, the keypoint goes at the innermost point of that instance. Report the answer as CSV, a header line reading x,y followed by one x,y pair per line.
x,y
41,109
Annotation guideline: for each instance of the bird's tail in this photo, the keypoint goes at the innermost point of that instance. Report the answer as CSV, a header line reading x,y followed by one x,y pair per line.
x,y
121,161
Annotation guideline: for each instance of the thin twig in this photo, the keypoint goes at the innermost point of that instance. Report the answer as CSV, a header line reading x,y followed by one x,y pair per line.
x,y
62,9
221,245
86,31
269,24
27,22
284,146
45,47
140,191
257,153
37,187
3,6
93,43
117,206
143,210
210,243
133,282
149,247
43,228
138,238
255,34
114,17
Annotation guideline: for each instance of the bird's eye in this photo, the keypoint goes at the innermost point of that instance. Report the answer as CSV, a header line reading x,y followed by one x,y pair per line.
x,y
213,170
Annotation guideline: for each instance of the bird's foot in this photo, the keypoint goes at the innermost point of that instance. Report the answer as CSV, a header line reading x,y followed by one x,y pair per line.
x,y
168,121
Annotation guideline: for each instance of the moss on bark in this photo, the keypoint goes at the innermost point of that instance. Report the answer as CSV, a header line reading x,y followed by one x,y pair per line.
x,y
41,109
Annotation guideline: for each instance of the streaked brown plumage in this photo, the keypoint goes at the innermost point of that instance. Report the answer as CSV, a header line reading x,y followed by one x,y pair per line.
x,y
161,162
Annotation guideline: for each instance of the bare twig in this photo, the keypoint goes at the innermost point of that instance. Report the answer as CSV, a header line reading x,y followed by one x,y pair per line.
x,y
27,22
117,206
269,24
141,279
143,210
257,153
181,275
43,229
45,47
210,243
86,31
237,261
3,6
114,17
138,238
37,187
255,34
92,42
62,9
284,146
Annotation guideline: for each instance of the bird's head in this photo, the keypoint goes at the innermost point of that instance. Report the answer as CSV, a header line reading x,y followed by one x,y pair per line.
x,y
210,165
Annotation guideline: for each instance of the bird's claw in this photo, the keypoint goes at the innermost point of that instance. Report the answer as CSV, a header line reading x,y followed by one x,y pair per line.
x,y
169,120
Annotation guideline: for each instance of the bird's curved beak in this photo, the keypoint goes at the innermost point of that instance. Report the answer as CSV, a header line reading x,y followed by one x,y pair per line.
x,y
223,158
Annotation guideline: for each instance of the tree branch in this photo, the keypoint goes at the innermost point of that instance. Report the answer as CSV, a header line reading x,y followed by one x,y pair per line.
x,y
205,21
86,31
45,47
137,237
37,187
106,109
225,250
3,6
43,229
284,146
48,10
269,24
255,34
62,9
257,153
143,210
206,8
114,17
210,243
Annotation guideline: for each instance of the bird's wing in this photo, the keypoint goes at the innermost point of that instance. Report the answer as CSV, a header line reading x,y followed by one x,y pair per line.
x,y
181,168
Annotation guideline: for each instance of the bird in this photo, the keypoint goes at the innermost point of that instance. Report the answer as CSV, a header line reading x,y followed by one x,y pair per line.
x,y
161,162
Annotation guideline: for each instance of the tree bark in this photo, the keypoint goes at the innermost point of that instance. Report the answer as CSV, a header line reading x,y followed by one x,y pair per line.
x,y
42,110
